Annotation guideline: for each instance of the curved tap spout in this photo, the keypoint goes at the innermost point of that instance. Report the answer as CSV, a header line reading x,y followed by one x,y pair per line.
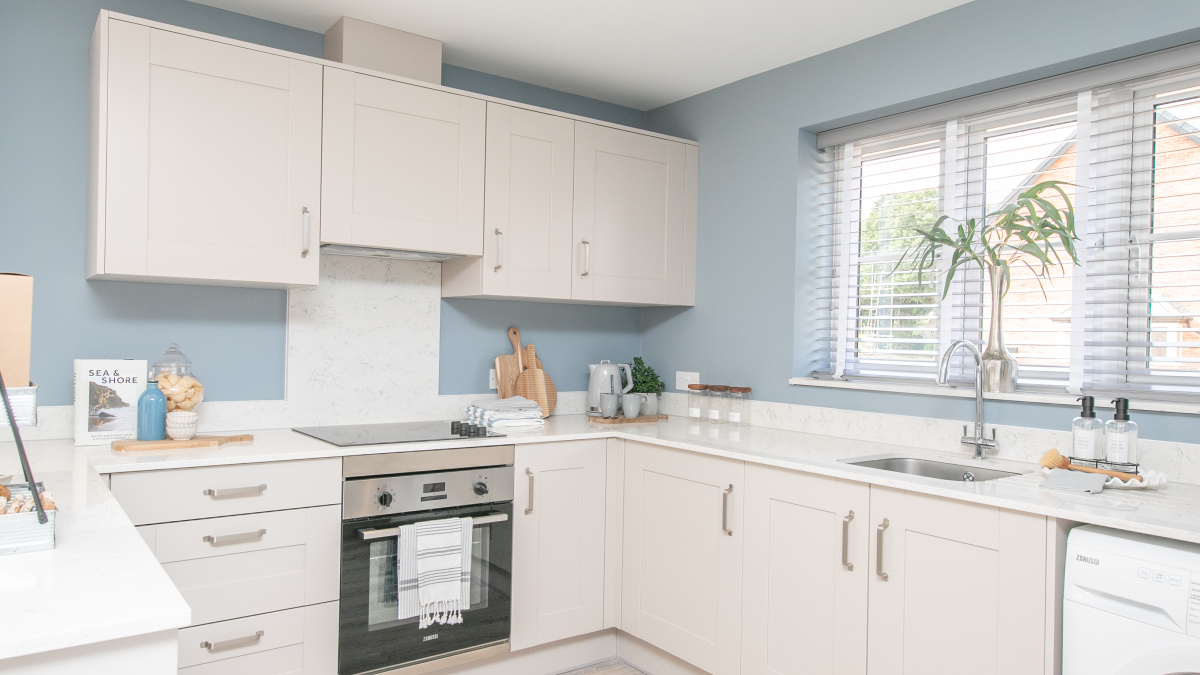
x,y
978,442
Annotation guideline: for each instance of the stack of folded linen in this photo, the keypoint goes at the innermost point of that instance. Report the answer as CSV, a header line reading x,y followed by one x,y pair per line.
x,y
516,413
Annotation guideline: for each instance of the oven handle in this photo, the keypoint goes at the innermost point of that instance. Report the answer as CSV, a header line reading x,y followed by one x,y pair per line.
x,y
385,532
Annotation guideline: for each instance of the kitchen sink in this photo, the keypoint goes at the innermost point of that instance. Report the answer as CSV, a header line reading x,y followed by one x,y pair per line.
x,y
915,466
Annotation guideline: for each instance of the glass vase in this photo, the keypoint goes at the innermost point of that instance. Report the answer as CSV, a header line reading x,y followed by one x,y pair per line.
x,y
999,366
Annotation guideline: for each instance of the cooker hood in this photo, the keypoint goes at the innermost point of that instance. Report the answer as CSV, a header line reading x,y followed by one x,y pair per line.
x,y
389,253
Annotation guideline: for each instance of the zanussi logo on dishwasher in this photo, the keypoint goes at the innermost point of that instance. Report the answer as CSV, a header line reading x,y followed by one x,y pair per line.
x,y
1083,558
427,638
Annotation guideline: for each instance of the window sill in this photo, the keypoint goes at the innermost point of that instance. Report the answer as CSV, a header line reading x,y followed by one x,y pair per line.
x,y
966,390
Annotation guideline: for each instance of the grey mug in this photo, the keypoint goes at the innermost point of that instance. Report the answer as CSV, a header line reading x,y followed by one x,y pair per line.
x,y
631,404
609,404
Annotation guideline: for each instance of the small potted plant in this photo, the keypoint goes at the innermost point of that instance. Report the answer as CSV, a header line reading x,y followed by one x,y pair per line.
x,y
646,381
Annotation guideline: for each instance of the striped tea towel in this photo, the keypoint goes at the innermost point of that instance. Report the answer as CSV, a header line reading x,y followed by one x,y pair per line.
x,y
433,560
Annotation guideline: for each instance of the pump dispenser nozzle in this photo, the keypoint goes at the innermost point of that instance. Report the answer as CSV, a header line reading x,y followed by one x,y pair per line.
x,y
1089,406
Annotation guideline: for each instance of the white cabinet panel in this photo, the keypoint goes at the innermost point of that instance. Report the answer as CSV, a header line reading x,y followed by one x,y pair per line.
x,y
403,166
527,210
211,156
558,541
803,610
630,218
683,554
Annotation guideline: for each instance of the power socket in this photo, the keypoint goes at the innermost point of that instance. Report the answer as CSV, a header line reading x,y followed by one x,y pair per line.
x,y
492,379
684,378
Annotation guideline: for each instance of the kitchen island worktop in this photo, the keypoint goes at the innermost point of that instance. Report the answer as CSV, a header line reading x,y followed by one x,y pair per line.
x,y
1172,511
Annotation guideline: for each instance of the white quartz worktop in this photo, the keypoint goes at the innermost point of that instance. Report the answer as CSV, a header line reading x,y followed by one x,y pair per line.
x,y
100,582
1172,511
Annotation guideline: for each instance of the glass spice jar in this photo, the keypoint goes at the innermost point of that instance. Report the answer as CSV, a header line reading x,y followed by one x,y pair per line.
x,y
739,406
718,402
697,395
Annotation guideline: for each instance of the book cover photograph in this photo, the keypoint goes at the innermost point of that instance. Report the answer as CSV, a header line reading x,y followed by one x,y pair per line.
x,y
106,397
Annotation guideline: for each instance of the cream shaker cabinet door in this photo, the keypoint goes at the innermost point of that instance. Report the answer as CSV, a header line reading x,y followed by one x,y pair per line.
x,y
527,210
558,541
403,166
804,605
682,554
955,587
207,161
631,243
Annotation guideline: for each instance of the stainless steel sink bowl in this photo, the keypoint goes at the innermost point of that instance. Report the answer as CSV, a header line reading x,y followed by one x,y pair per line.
x,y
929,468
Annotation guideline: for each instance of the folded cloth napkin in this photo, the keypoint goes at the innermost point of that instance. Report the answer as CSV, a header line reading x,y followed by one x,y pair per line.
x,y
507,404
1074,481
433,560
519,425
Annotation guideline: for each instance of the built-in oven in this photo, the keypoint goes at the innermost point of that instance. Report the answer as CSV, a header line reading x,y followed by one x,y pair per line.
x,y
380,494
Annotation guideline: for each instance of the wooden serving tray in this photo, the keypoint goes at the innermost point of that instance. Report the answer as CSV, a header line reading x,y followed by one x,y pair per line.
x,y
643,419
169,444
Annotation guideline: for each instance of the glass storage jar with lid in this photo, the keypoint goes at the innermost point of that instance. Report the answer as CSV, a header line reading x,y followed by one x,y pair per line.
x,y
697,397
718,401
739,406
173,373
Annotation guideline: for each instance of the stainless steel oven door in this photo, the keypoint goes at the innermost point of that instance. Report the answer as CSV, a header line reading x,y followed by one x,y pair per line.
x,y
371,636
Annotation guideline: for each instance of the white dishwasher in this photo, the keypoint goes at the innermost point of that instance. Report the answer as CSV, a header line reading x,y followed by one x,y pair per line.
x,y
1131,604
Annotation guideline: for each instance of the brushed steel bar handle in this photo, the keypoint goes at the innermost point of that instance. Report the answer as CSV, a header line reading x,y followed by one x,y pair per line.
x,y
225,493
241,538
223,645
587,257
307,217
384,532
499,250
725,510
879,549
529,508
846,542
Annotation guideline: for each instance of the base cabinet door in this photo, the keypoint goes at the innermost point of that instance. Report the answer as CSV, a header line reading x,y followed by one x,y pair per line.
x,y
558,541
206,161
682,554
633,236
955,587
804,605
402,166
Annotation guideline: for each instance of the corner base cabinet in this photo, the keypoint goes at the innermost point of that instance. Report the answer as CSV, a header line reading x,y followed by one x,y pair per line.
x,y
205,160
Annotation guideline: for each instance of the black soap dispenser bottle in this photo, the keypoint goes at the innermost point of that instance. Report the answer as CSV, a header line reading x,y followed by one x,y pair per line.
x,y
1087,432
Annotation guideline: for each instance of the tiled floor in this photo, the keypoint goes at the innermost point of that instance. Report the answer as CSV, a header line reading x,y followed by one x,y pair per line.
x,y
608,668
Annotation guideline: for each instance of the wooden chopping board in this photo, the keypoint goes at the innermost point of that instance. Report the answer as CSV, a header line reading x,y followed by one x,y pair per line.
x,y
509,366
535,385
170,444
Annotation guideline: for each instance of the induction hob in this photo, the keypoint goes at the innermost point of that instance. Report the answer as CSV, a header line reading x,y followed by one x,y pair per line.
x,y
398,432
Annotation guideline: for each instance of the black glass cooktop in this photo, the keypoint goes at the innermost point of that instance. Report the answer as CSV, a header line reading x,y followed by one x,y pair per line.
x,y
382,434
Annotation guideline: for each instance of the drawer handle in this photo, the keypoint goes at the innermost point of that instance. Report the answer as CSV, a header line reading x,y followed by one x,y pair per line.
x,y
529,508
846,541
499,250
879,549
223,539
587,257
225,493
223,645
725,511
306,218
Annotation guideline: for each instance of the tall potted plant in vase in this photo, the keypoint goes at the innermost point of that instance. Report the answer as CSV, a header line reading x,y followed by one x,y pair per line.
x,y
646,381
1030,230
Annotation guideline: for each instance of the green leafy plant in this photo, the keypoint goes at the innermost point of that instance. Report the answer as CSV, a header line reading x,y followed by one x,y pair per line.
x,y
645,378
1029,230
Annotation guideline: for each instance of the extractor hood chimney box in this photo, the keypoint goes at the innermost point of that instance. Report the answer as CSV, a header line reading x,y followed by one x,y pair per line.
x,y
369,45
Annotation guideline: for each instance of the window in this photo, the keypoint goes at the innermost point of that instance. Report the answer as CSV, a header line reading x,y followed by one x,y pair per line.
x,y
1127,319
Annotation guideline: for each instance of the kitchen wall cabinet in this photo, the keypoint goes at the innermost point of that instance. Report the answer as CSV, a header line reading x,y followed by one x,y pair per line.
x,y
403,166
634,234
527,210
804,604
558,541
955,583
682,554
205,161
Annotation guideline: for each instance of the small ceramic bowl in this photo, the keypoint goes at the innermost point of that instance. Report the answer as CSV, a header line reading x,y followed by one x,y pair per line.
x,y
181,424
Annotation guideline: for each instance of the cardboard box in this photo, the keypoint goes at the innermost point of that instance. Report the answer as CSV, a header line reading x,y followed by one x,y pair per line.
x,y
16,328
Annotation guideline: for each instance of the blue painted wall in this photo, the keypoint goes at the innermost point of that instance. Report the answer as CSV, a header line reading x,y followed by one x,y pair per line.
x,y
236,337
754,276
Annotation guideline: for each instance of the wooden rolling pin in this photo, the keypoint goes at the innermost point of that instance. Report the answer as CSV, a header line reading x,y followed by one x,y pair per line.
x,y
1054,460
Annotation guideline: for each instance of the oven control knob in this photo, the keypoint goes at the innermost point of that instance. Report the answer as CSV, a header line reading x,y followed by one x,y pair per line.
x,y
385,499
481,488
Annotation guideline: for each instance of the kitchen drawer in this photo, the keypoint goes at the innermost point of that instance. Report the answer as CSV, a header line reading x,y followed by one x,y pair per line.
x,y
252,582
294,641
191,539
208,492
